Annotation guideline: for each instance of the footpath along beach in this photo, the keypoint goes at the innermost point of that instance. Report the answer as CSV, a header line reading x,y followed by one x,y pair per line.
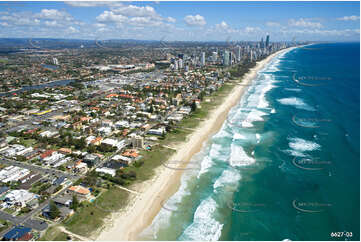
x,y
141,210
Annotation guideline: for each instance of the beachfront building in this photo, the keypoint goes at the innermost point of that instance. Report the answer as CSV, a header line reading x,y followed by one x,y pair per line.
x,y
159,131
267,41
138,142
106,170
79,191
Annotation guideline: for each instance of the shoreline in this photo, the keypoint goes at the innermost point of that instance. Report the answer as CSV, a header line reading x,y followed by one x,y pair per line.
x,y
141,210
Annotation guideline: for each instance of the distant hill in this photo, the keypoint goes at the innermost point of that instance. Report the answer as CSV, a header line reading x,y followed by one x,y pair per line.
x,y
9,45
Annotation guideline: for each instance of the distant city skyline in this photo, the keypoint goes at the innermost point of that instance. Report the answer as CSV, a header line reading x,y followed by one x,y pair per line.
x,y
185,21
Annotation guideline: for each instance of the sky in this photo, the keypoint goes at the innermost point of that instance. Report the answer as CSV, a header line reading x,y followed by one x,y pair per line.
x,y
185,21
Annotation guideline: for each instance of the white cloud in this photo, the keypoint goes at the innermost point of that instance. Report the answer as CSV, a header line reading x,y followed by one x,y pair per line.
x,y
304,23
94,3
135,11
222,25
54,14
171,20
249,30
53,23
142,21
135,16
47,22
273,24
99,25
109,16
349,18
19,19
71,29
196,20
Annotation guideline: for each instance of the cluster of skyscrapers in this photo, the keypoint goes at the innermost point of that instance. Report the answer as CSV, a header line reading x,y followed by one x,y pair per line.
x,y
241,52
249,51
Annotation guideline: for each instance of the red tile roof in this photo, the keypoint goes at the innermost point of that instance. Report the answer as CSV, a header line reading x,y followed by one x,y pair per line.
x,y
47,153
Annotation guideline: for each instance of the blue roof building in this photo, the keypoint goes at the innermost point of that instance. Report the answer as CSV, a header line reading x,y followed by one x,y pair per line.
x,y
18,233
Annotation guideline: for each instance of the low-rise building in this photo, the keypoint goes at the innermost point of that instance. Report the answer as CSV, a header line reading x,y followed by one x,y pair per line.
x,y
91,159
18,198
18,233
138,142
160,131
106,170
114,143
13,173
80,191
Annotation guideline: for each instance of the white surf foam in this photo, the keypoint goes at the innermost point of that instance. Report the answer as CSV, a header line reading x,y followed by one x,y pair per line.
x,y
205,165
238,136
239,157
258,138
253,116
221,134
204,226
296,102
215,150
263,103
173,204
229,176
300,146
303,145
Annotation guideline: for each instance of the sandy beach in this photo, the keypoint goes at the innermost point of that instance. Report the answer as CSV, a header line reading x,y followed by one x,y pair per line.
x,y
127,224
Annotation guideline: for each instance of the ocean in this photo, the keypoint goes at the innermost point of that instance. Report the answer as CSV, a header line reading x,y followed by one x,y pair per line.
x,y
285,164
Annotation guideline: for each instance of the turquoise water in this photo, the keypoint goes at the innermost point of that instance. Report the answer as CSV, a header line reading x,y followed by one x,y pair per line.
x,y
285,164
40,86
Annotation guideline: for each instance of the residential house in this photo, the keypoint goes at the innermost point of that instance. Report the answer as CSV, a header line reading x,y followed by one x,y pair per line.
x,y
64,211
122,159
114,143
80,191
91,159
106,170
65,151
18,198
18,233
160,131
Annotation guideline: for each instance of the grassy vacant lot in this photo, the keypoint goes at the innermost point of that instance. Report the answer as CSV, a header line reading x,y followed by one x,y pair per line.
x,y
152,160
27,142
53,234
4,224
90,216
9,210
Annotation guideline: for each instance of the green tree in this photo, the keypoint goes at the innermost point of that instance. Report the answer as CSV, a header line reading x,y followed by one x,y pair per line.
x,y
194,106
74,203
53,210
201,95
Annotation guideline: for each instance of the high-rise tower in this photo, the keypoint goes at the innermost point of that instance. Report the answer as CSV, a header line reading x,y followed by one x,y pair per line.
x,y
267,41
